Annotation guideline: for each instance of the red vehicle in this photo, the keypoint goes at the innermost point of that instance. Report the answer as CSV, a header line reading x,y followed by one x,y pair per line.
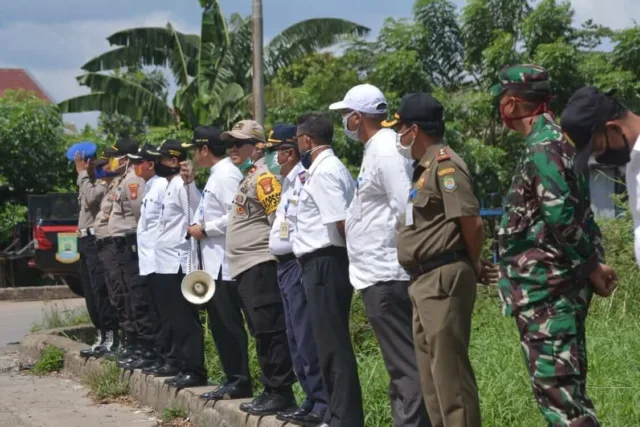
x,y
47,244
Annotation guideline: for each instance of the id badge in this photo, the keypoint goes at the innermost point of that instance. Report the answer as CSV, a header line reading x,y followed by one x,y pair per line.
x,y
357,209
408,215
118,194
284,230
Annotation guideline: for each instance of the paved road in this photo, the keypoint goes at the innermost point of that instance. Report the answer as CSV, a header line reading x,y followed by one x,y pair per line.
x,y
16,318
30,401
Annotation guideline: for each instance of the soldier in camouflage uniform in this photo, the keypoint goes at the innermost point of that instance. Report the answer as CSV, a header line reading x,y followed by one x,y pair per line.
x,y
552,258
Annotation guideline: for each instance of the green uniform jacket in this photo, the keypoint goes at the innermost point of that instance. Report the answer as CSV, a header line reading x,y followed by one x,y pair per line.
x,y
549,241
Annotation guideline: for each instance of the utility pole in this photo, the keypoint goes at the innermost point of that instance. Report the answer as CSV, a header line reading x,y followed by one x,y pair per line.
x,y
258,63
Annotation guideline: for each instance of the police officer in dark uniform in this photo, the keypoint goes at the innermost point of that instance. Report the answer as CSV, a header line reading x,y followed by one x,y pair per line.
x,y
439,245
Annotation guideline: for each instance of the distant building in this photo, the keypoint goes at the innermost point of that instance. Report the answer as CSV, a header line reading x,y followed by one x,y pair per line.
x,y
605,182
19,78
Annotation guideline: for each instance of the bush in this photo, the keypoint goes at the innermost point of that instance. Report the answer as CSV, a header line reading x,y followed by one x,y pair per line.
x,y
52,360
107,383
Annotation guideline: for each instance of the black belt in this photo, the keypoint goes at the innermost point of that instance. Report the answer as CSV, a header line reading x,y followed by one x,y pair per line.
x,y
102,243
435,262
328,251
286,258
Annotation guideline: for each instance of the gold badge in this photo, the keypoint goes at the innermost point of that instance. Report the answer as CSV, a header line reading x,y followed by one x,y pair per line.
x,y
421,182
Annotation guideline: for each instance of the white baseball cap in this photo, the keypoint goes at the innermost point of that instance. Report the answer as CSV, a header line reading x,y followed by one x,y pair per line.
x,y
364,98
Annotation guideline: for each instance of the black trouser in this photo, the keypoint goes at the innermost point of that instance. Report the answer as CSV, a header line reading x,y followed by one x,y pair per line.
x,y
227,328
164,334
116,285
260,293
103,314
390,313
184,318
325,275
138,298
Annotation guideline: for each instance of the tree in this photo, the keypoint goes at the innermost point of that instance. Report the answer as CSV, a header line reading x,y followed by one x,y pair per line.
x,y
213,70
31,147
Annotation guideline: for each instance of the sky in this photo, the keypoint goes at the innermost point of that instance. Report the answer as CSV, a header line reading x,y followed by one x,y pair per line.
x,y
54,38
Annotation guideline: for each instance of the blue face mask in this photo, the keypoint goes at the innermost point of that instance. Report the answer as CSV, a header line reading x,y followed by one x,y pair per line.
x,y
244,167
305,157
101,174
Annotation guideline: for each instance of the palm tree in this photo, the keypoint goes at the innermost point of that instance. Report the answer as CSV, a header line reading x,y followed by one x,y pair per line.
x,y
212,71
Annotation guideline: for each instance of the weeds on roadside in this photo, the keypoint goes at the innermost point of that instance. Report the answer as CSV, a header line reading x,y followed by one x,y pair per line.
x,y
172,414
55,315
107,383
52,360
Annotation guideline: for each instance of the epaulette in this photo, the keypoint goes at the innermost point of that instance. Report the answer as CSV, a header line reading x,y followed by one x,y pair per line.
x,y
303,176
443,154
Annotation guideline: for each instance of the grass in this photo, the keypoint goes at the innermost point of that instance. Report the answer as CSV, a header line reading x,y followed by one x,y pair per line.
x,y
55,315
613,328
107,383
172,414
52,360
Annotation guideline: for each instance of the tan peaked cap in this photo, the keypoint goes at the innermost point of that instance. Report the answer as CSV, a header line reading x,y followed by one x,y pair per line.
x,y
245,129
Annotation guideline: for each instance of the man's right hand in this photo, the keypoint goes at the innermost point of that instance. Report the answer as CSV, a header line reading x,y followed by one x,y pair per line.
x,y
81,163
603,280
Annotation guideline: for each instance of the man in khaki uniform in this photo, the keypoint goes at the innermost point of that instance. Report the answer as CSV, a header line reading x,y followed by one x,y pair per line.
x,y
439,245
91,191
123,223
254,268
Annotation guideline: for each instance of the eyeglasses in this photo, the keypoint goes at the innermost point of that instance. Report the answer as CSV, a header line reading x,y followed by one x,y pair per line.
x,y
239,143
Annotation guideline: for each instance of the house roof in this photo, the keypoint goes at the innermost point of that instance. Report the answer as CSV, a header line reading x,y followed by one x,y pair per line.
x,y
19,78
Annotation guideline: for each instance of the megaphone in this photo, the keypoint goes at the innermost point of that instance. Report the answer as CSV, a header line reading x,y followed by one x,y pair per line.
x,y
198,287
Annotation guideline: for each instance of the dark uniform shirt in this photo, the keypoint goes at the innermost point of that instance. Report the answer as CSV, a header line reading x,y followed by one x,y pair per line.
x,y
441,192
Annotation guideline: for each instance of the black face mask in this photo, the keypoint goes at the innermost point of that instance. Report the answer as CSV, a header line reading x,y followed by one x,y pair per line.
x,y
616,157
164,171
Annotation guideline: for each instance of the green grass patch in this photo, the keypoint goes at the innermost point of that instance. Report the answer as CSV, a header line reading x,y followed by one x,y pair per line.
x,y
55,315
172,414
107,382
613,328
52,360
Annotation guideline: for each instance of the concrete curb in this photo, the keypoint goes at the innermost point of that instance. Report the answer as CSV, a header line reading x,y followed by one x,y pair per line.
x,y
149,390
36,293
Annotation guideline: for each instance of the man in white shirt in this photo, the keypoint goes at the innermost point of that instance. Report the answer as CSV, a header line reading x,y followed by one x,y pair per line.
x,y
147,234
173,261
319,245
283,160
373,221
600,126
209,228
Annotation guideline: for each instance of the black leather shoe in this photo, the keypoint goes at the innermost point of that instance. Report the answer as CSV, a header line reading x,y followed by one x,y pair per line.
x,y
246,406
227,392
151,370
190,380
87,352
314,418
172,381
167,371
274,403
296,414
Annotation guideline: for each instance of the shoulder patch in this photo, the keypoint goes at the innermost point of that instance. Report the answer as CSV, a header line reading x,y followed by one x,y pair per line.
x,y
449,183
268,191
133,191
446,171
443,154
303,176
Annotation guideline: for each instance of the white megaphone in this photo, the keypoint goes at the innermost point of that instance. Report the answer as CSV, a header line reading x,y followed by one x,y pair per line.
x,y
198,287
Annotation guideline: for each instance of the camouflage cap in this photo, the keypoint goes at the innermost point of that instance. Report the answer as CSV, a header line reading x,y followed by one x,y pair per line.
x,y
245,130
524,78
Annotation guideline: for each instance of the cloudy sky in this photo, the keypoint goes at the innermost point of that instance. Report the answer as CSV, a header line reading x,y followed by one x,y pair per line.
x,y
53,38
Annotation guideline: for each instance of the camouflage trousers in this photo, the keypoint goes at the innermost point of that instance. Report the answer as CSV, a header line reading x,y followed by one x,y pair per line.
x,y
553,341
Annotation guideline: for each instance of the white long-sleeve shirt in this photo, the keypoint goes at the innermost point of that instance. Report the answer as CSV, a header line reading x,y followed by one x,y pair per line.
x,y
376,212
213,216
172,248
279,244
633,188
149,224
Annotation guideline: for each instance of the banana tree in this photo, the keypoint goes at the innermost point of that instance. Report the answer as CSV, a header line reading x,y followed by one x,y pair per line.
x,y
213,70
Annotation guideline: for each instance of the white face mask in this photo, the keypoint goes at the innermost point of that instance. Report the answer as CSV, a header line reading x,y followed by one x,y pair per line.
x,y
351,134
405,151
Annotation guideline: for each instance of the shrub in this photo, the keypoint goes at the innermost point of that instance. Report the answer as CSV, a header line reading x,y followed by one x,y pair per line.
x,y
52,360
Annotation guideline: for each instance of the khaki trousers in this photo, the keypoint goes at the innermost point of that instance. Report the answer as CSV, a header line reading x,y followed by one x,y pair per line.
x,y
443,301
